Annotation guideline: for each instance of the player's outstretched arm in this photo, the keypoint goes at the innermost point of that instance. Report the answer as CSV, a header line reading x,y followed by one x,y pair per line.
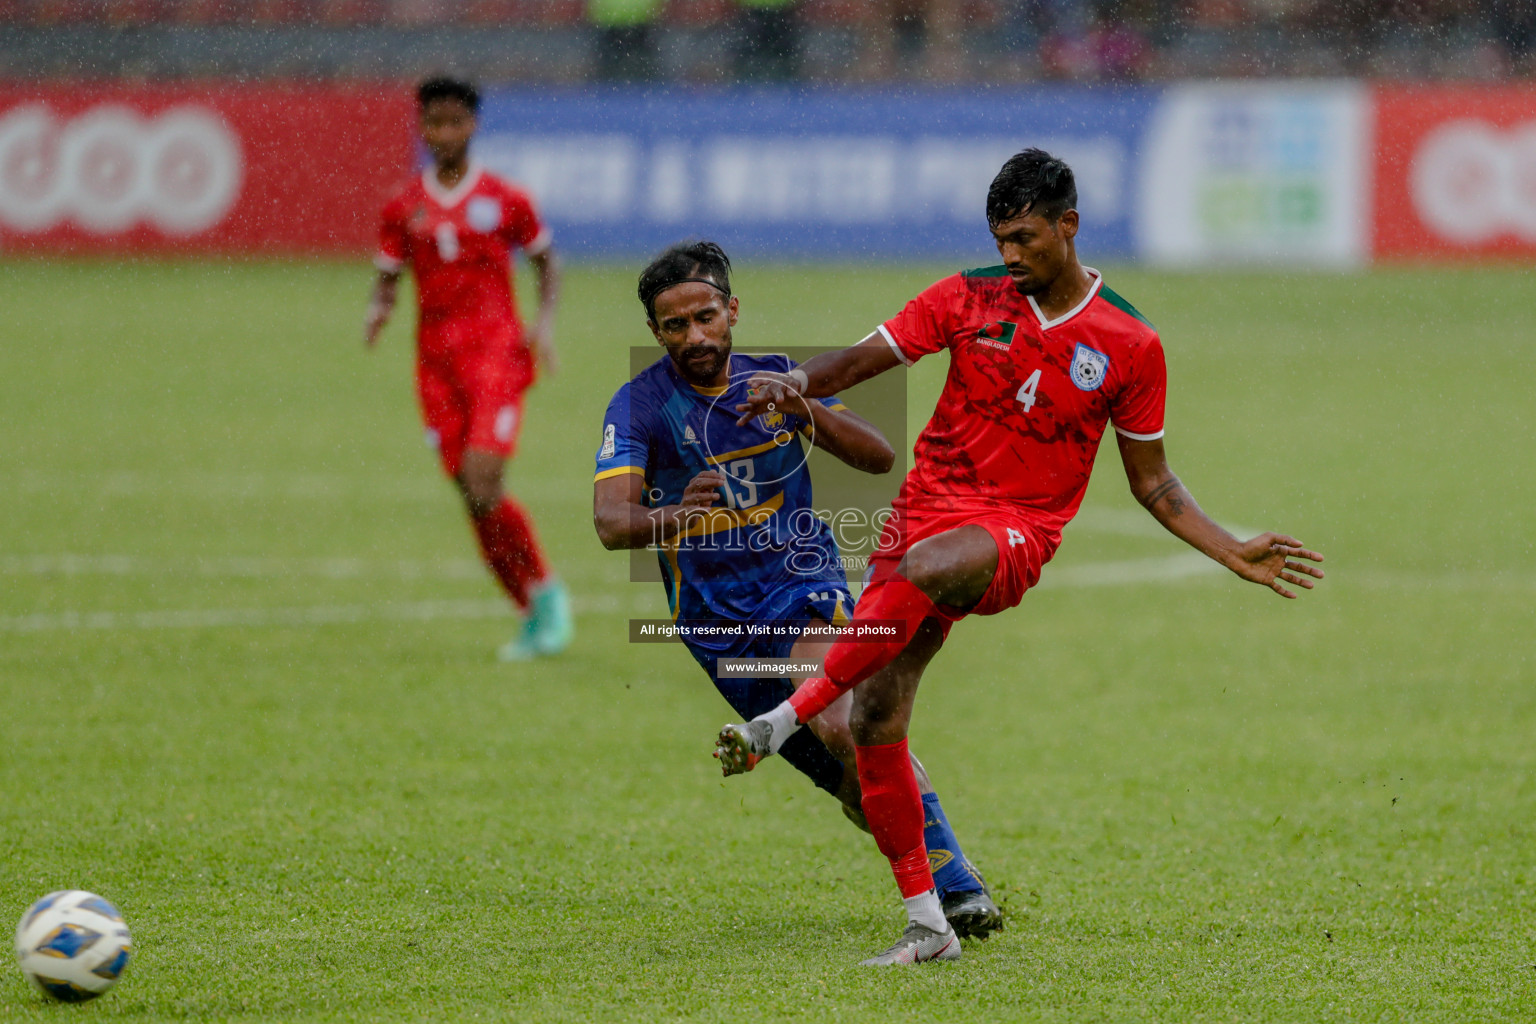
x,y
1270,559
385,288
623,520
820,376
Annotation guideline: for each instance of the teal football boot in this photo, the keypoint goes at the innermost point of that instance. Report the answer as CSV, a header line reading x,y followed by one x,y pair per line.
x,y
549,628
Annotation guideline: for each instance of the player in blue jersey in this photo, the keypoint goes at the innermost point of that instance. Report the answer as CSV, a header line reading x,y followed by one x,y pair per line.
x,y
750,570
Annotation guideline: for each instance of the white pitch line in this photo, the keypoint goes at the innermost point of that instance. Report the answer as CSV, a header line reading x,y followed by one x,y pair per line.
x,y
211,618
304,615
1124,522
324,568
638,602
422,487
1165,569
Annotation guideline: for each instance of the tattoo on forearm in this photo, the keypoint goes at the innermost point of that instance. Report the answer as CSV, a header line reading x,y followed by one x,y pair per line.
x,y
1175,506
1152,499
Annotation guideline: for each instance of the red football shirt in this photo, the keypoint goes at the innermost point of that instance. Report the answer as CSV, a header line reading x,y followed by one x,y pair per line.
x,y
460,242
1027,399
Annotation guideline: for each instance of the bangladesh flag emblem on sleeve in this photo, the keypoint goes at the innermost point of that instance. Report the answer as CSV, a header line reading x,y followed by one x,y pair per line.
x,y
998,334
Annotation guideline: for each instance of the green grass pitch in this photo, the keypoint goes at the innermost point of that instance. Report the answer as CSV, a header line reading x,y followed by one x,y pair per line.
x,y
248,692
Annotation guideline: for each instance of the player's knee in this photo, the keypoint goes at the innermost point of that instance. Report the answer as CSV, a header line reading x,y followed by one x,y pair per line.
x,y
873,720
952,569
927,569
482,493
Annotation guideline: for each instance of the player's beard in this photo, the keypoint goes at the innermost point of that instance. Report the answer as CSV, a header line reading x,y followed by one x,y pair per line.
x,y
702,372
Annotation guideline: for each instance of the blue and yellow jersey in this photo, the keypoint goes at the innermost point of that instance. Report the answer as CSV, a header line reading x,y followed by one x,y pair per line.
x,y
757,554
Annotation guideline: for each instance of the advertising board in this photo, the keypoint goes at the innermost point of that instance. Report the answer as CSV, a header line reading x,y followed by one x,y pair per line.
x,y
871,175
88,168
1256,172
1455,172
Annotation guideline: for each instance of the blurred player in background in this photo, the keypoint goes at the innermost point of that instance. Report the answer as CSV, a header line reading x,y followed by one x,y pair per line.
x,y
1043,357
458,225
728,507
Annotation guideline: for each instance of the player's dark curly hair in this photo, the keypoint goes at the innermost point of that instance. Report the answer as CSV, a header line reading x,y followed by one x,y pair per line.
x,y
442,87
1031,182
685,261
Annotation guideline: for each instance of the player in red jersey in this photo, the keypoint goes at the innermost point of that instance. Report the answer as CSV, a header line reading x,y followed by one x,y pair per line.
x,y
458,225
1043,357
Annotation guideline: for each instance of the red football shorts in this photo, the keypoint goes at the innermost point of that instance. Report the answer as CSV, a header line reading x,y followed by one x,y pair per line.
x,y
471,389
1023,547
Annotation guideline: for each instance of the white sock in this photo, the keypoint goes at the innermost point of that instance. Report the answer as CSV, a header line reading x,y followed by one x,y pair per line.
x,y
925,909
784,722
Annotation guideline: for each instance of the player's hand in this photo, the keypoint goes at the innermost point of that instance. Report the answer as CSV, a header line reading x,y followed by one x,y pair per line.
x,y
770,392
703,490
1273,560
543,347
378,316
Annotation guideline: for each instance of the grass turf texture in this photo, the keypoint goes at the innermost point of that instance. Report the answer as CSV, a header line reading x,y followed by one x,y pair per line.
x,y
288,756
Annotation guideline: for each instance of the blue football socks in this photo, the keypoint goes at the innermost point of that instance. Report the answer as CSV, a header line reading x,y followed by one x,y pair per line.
x,y
951,871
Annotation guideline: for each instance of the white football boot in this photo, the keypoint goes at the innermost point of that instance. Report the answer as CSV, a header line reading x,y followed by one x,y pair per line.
x,y
741,747
917,945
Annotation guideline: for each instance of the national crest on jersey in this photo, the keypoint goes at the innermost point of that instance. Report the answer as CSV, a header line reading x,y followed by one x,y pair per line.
x,y
483,213
1027,399
1088,367
762,535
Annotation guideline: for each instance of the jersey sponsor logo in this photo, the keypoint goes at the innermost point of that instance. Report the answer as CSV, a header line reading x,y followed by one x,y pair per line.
x,y
483,214
111,168
998,334
689,437
610,443
1089,368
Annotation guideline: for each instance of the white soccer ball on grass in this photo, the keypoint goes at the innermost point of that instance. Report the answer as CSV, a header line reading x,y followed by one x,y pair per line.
x,y
72,945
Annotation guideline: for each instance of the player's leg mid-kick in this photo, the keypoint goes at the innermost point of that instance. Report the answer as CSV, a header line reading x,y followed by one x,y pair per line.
x,y
953,569
962,891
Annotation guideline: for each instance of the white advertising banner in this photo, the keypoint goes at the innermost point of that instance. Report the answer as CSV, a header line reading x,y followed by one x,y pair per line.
x,y
1257,173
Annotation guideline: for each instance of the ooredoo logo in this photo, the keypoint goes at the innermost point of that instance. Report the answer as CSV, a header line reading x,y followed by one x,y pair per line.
x,y
1473,182
111,168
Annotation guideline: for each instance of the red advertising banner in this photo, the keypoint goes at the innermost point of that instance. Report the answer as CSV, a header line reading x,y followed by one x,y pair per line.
x,y
1455,171
187,168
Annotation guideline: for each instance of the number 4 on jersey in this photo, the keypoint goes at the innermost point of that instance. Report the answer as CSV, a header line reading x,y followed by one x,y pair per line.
x,y
1026,395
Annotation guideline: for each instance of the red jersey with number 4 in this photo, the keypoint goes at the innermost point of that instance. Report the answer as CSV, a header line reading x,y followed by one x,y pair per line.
x,y
1027,399
460,243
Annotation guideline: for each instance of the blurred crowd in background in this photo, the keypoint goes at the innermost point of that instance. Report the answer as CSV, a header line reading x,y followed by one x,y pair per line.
x,y
712,42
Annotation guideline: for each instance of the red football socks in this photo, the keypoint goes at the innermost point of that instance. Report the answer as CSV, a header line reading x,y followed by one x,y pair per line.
x,y
850,662
511,550
894,809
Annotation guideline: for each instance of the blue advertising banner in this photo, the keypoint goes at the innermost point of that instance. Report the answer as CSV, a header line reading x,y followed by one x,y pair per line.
x,y
802,174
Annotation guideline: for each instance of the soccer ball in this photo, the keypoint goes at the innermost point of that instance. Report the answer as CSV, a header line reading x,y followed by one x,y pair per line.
x,y
72,945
